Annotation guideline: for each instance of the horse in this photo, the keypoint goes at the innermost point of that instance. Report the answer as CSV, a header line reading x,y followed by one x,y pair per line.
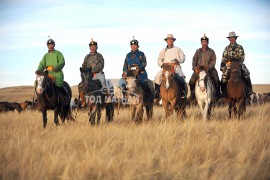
x,y
236,89
119,97
170,92
135,95
49,97
96,97
204,91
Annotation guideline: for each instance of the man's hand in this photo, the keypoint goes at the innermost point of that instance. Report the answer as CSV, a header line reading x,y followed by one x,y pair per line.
x,y
50,68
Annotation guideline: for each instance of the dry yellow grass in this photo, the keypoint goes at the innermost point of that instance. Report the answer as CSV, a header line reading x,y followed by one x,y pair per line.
x,y
160,149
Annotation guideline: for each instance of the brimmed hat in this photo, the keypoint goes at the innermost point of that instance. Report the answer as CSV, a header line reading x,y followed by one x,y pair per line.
x,y
50,41
232,34
169,36
134,41
205,38
92,42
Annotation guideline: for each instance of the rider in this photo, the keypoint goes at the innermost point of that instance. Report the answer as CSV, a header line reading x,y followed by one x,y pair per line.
x,y
137,57
204,56
54,62
234,51
171,54
96,62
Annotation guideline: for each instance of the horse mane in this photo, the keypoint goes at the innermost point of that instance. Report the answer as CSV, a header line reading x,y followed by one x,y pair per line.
x,y
131,73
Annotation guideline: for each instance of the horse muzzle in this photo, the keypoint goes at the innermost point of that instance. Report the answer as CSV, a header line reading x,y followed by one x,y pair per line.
x,y
202,89
39,90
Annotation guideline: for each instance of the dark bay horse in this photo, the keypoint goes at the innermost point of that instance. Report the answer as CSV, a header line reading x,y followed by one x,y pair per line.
x,y
135,96
236,89
49,97
170,92
97,97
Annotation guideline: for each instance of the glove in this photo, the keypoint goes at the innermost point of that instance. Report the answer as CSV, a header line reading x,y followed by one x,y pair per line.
x,y
50,68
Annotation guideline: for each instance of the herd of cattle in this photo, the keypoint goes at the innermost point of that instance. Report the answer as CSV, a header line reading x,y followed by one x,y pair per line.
x,y
75,104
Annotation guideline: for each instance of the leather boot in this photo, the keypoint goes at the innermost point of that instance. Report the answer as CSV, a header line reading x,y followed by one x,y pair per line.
x,y
65,96
82,99
223,88
249,87
157,90
192,92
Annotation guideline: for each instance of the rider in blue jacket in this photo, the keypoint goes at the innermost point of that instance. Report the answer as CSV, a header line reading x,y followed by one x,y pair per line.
x,y
136,57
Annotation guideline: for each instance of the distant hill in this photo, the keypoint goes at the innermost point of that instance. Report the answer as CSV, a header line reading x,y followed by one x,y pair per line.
x,y
22,93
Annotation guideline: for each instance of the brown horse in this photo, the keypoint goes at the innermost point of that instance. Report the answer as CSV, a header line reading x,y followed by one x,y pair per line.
x,y
236,89
170,92
135,96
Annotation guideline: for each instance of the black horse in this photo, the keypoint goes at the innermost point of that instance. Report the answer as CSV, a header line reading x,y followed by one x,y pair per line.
x,y
49,97
97,97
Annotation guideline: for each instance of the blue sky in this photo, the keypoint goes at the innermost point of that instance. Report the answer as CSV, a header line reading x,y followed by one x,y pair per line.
x,y
25,26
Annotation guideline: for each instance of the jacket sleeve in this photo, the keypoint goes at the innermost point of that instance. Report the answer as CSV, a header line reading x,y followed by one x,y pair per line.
x,y
100,65
160,58
181,56
60,62
241,53
143,60
195,60
213,59
84,64
42,64
125,66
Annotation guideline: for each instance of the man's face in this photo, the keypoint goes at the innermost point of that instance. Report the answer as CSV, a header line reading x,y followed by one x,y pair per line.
x,y
50,47
204,43
134,47
232,40
93,48
170,42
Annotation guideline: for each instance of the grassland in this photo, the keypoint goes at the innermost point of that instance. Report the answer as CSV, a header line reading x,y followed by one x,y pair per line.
x,y
160,149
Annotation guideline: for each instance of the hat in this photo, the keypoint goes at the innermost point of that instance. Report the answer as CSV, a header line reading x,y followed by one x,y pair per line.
x,y
50,41
169,36
92,42
205,38
134,41
232,34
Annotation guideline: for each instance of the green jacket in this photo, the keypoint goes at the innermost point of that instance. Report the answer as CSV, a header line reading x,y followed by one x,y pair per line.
x,y
55,59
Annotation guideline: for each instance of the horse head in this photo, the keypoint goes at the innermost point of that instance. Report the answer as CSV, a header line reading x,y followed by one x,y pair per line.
x,y
86,75
43,81
201,73
167,74
235,69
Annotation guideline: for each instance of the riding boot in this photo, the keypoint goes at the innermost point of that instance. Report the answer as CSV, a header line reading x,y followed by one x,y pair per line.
x,y
192,92
157,90
82,99
65,96
183,88
249,87
147,95
218,95
223,88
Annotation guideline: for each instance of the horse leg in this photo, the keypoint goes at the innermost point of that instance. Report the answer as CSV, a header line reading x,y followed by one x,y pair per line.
x,y
56,111
241,107
205,113
173,105
209,110
92,114
139,113
98,115
230,109
200,103
235,109
44,115
165,106
133,111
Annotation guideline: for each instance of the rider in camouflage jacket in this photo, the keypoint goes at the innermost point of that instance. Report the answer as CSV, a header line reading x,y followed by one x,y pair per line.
x,y
234,51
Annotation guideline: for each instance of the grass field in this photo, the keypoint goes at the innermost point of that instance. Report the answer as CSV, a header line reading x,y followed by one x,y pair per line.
x,y
161,149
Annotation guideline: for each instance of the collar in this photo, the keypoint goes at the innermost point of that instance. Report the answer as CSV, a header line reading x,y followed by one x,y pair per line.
x,y
135,51
207,48
169,48
52,51
92,54
233,44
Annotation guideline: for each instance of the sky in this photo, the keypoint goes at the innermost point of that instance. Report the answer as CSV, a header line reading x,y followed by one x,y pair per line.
x,y
26,24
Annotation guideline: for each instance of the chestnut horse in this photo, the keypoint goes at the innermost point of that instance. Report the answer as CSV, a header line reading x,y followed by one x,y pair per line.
x,y
204,91
170,92
236,89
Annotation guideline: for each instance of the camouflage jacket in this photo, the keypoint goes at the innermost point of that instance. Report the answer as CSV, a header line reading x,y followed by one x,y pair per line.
x,y
233,51
95,61
201,58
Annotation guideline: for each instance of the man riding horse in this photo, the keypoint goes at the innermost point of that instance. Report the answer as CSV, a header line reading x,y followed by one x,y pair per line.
x,y
96,62
138,59
236,52
204,56
54,62
171,54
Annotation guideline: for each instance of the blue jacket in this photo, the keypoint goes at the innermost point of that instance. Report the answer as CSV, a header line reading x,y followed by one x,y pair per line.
x,y
137,57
